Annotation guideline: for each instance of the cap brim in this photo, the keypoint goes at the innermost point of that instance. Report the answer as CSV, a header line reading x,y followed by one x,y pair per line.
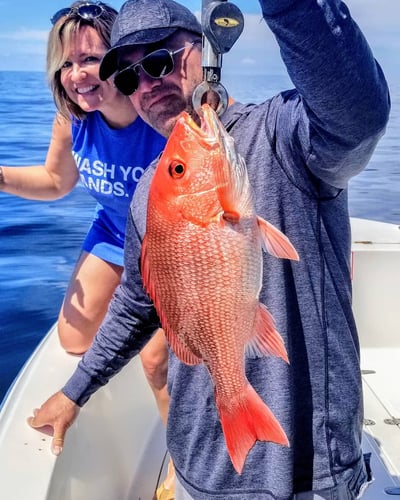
x,y
109,63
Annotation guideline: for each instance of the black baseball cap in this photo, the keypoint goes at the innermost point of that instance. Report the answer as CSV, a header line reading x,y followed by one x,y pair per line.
x,y
145,21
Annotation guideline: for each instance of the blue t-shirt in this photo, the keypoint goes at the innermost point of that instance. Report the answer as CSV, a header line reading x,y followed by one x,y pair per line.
x,y
110,163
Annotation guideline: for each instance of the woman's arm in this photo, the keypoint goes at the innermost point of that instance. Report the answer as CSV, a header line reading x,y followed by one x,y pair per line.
x,y
50,181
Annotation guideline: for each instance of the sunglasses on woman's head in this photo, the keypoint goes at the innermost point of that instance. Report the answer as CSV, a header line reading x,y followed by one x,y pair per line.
x,y
85,11
157,64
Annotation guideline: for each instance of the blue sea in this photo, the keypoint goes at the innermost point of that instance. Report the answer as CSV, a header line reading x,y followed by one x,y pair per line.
x,y
40,241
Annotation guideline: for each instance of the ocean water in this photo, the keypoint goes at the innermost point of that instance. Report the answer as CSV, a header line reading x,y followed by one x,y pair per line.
x,y
40,241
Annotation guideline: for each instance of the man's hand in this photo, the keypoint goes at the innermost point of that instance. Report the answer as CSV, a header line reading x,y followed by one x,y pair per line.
x,y
58,413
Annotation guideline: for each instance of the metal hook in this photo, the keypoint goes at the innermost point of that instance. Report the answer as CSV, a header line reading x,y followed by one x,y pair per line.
x,y
214,94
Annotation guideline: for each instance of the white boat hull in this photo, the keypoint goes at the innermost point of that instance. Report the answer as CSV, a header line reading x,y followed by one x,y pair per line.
x,y
376,305
114,451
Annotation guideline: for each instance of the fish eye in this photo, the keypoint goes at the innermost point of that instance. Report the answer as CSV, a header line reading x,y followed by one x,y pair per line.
x,y
176,170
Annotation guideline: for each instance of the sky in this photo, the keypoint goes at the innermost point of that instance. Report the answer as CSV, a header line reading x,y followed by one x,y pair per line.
x,y
24,26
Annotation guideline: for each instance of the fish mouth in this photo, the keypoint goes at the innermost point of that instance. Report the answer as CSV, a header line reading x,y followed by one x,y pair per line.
x,y
210,129
212,126
210,123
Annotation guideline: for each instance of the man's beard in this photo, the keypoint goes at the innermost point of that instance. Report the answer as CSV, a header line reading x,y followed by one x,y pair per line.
x,y
163,116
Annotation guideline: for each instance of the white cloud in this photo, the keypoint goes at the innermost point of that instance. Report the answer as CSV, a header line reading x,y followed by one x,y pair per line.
x,y
23,49
255,32
248,61
24,34
370,14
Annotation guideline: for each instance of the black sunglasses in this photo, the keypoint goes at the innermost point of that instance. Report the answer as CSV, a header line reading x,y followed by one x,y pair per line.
x,y
157,64
87,10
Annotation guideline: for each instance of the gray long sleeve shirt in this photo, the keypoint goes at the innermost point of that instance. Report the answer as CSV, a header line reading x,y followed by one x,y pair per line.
x,y
301,148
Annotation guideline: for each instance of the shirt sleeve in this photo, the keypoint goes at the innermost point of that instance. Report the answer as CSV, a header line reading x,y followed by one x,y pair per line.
x,y
344,97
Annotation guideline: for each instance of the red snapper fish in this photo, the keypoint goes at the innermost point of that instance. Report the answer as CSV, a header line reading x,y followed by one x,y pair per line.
x,y
202,267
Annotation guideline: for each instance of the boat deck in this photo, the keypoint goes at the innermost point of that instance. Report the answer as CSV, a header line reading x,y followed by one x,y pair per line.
x,y
381,372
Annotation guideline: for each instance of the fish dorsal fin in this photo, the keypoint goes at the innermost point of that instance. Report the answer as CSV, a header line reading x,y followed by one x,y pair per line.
x,y
234,191
275,242
266,340
184,354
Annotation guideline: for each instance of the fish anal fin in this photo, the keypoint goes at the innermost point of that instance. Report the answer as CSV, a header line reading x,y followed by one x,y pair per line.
x,y
266,340
275,242
245,421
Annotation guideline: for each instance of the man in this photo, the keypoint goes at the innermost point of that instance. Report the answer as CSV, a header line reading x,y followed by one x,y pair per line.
x,y
301,148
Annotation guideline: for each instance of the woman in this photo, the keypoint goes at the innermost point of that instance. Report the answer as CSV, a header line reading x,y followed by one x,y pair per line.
x,y
99,139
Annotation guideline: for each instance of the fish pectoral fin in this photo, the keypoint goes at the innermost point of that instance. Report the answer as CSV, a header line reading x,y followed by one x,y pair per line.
x,y
266,340
180,350
275,242
145,271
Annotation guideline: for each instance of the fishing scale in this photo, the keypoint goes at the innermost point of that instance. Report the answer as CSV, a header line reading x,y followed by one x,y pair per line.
x,y
222,24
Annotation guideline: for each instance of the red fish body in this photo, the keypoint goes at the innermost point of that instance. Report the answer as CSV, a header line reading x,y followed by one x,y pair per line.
x,y
202,267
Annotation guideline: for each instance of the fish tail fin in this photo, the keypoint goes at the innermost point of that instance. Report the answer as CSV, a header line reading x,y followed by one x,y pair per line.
x,y
244,422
